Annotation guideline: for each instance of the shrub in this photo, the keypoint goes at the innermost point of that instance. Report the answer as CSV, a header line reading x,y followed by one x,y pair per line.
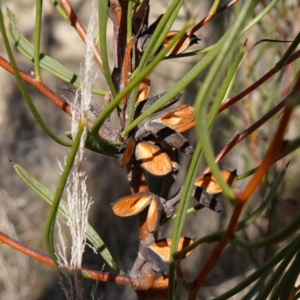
x,y
144,134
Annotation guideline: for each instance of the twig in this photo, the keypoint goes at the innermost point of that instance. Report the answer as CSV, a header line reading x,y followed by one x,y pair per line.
x,y
39,86
80,29
95,275
209,17
294,292
247,91
242,198
240,136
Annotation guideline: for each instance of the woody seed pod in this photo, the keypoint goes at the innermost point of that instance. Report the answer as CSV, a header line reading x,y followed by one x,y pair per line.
x,y
153,159
209,183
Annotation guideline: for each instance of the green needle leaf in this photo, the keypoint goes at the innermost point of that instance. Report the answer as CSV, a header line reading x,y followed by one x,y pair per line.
x,y
48,196
46,62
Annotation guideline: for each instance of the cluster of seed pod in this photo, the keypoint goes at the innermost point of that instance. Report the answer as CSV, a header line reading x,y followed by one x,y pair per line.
x,y
151,147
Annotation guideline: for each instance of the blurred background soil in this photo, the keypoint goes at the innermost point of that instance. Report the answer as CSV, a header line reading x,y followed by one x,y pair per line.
x,y
23,213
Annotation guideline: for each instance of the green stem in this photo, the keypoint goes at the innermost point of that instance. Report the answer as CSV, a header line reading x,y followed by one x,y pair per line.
x,y
260,15
214,7
60,10
224,89
129,21
288,53
50,223
242,224
176,89
221,48
23,88
160,33
181,213
276,237
102,12
37,39
191,53
258,273
152,47
203,126
63,208
294,247
290,278
138,79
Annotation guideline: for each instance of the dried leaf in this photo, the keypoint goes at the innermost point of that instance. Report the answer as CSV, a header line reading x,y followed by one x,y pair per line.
x,y
210,184
163,247
152,159
132,205
154,215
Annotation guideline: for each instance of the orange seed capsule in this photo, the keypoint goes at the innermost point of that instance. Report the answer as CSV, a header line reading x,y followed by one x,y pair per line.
x,y
132,205
177,117
210,184
153,159
154,214
181,45
159,289
163,247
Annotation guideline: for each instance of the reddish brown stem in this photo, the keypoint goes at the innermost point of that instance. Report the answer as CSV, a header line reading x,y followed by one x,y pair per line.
x,y
95,275
257,83
80,29
48,93
270,156
240,136
216,253
247,91
125,73
39,86
294,292
253,142
242,198
210,17
224,151
137,180
180,275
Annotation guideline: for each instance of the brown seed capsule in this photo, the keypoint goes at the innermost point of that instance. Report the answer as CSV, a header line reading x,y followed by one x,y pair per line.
x,y
133,204
180,45
125,152
144,89
210,184
153,159
166,133
145,104
154,214
159,289
163,247
178,117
